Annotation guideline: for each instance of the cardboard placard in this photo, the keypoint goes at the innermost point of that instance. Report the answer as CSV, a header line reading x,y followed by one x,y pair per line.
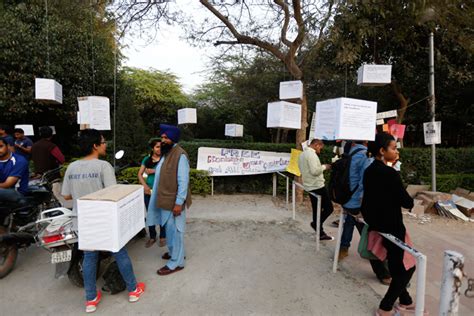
x,y
293,167
397,130
345,118
284,114
94,112
109,218
28,129
374,75
48,90
291,90
187,116
234,130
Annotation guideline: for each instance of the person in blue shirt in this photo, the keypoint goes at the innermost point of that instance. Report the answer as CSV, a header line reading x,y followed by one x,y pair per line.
x,y
359,163
4,130
22,144
171,197
13,168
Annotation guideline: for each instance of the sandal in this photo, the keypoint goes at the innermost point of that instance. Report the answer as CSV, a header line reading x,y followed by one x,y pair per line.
x,y
150,243
408,309
162,242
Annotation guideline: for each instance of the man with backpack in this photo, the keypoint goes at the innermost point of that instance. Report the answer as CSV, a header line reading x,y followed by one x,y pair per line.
x,y
313,181
346,188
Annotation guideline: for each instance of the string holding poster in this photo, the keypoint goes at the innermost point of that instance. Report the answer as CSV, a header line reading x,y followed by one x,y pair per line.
x,y
432,133
238,162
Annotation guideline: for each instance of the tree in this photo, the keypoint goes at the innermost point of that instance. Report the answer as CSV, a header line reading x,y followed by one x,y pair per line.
x,y
74,44
158,95
396,33
301,24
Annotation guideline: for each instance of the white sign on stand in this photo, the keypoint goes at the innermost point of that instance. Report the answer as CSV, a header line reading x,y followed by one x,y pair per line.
x,y
238,162
374,75
48,90
234,130
284,114
345,118
187,116
291,90
95,112
432,133
28,129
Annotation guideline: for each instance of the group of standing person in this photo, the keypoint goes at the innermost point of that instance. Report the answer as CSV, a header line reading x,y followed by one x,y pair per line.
x,y
17,152
167,196
377,196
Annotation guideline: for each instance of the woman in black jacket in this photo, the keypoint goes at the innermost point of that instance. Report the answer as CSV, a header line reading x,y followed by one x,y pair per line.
x,y
384,196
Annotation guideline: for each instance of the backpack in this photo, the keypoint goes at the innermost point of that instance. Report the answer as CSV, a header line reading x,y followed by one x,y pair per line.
x,y
339,185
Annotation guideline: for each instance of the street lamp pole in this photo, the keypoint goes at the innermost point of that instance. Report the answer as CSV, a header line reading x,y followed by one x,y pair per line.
x,y
433,103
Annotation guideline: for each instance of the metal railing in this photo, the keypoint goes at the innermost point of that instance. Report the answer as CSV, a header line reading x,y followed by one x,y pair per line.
x,y
420,264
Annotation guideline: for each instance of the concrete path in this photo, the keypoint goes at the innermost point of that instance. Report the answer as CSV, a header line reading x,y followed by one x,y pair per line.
x,y
245,256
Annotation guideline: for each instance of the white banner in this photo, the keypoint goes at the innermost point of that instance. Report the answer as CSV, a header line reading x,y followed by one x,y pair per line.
x,y
237,162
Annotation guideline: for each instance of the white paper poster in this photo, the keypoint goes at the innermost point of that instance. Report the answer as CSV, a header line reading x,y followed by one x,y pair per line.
x,y
48,90
312,127
237,162
53,128
94,111
432,133
234,130
345,118
387,114
284,114
374,75
28,129
187,116
291,90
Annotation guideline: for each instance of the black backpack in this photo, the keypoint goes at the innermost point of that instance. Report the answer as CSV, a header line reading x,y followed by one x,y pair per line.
x,y
339,185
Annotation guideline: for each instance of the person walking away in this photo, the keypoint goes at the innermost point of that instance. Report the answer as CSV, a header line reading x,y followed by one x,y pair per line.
x,y
22,144
148,166
45,154
83,177
384,196
171,197
313,181
358,163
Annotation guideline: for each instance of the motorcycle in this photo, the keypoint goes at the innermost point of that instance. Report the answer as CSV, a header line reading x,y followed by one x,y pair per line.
x,y
59,237
18,215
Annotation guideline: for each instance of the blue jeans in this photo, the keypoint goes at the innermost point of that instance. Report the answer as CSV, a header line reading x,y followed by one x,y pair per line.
x,y
348,230
89,271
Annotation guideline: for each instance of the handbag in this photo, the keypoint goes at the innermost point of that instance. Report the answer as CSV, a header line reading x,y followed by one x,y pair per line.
x,y
364,241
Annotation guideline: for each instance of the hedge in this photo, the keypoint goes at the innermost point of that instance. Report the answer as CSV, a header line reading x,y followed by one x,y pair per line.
x,y
200,182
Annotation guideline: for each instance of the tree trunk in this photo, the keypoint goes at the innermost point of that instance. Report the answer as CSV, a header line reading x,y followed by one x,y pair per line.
x,y
403,104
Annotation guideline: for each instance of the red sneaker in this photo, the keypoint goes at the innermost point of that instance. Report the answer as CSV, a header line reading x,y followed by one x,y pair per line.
x,y
91,306
135,295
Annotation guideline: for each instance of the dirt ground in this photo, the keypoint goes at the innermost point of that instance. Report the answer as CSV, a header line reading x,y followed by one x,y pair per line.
x,y
245,256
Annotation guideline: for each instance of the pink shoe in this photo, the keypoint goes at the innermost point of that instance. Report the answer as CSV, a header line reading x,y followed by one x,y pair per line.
x,y
135,295
91,306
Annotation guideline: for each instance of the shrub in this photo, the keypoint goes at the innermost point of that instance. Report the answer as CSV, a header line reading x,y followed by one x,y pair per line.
x,y
449,182
199,180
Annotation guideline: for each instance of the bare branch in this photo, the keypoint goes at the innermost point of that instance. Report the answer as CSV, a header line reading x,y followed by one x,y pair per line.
x,y
226,43
286,22
301,29
243,39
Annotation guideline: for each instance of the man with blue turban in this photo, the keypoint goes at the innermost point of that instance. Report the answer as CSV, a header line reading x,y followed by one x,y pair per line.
x,y
170,197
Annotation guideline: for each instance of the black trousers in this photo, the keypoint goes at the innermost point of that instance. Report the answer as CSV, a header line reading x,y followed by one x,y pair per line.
x,y
400,277
326,206
378,266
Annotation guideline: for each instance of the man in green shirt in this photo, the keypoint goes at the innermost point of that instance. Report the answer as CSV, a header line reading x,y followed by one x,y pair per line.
x,y
313,181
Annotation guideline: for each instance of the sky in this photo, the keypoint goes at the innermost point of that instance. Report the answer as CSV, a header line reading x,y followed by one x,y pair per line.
x,y
168,51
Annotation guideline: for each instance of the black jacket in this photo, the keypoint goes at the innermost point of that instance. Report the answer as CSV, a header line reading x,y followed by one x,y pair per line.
x,y
384,196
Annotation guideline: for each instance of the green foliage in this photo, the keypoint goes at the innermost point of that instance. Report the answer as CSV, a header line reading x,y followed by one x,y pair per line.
x,y
130,133
158,95
73,26
449,182
199,180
